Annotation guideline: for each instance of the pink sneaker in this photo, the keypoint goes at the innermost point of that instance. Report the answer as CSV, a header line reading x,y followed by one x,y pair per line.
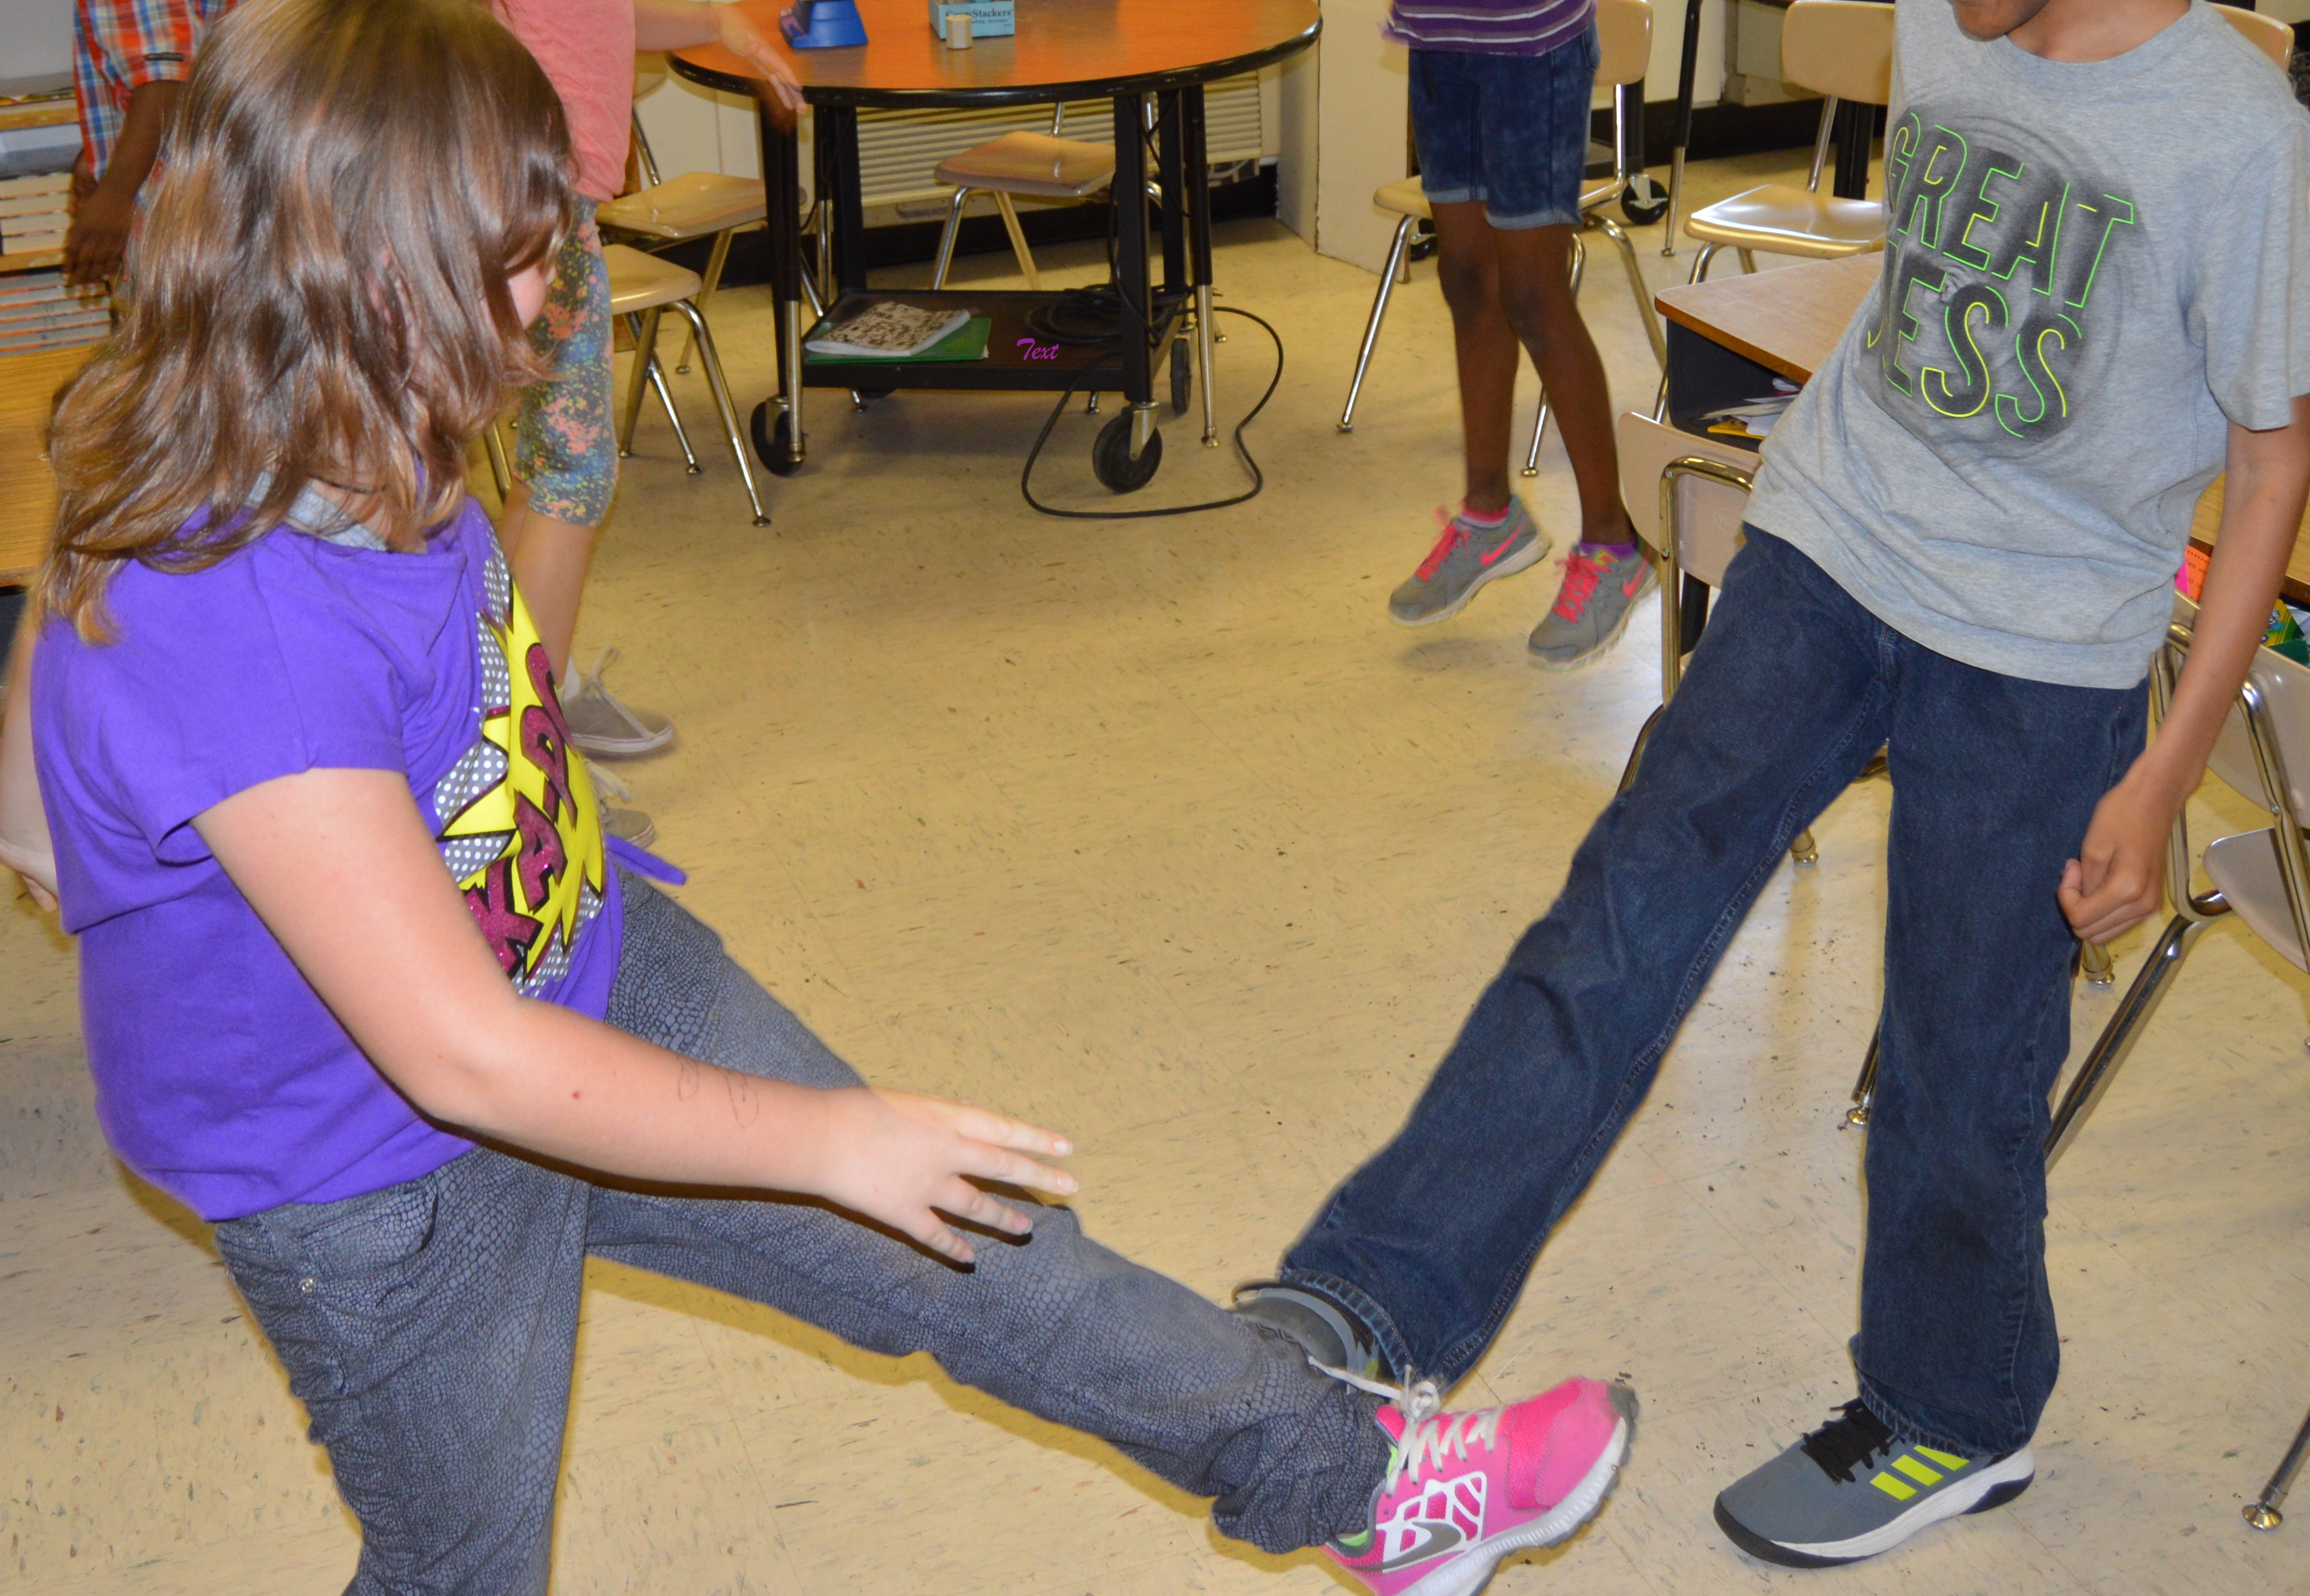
x,y
1465,1490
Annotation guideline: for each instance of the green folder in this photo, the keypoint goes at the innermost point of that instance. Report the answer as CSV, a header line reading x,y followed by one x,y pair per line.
x,y
966,343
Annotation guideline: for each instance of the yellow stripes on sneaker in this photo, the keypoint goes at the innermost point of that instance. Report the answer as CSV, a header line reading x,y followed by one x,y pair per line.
x,y
1909,1465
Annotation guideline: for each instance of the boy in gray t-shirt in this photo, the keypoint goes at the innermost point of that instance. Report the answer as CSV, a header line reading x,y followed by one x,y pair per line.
x,y
1962,549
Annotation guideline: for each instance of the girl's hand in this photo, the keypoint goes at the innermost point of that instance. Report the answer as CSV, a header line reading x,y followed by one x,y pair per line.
x,y
779,89
36,872
905,1160
2113,883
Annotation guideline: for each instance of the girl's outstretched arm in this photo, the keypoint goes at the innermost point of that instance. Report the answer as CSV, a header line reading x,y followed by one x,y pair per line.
x,y
24,846
339,866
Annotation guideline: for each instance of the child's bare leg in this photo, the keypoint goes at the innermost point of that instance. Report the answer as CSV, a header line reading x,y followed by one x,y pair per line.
x,y
549,558
1468,265
1534,277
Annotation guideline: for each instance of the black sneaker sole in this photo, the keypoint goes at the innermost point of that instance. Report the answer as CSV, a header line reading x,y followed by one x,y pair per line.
x,y
1772,1551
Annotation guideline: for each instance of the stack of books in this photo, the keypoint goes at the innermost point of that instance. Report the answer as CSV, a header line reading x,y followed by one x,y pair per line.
x,y
33,212
38,311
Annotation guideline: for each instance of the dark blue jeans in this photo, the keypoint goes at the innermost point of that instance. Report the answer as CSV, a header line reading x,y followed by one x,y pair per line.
x,y
1794,687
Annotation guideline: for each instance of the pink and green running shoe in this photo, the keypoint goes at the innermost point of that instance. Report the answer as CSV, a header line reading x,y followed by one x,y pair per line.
x,y
1465,1490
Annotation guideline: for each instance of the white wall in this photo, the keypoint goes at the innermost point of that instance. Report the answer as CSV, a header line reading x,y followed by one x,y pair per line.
x,y
1362,130
1668,50
35,38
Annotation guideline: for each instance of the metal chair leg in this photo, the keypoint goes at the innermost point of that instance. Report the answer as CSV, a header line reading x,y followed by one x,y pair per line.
x,y
1379,313
1540,422
1018,239
2262,1513
711,281
1803,849
2100,970
1620,236
680,434
643,325
500,472
708,358
2124,1028
1748,260
1700,262
1204,330
946,238
1865,1090
1636,754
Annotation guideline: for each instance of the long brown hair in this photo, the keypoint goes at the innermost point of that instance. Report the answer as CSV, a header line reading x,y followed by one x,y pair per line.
x,y
318,293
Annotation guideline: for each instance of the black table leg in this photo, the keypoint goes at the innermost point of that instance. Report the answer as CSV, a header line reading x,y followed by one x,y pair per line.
x,y
1688,69
1172,179
838,126
779,440
1195,158
1135,328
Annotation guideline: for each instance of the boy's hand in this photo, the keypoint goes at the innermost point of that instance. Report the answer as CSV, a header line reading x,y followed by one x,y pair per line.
x,y
2113,884
779,89
904,1160
98,240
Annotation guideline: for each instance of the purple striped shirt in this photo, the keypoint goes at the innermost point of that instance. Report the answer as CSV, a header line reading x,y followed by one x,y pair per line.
x,y
1487,27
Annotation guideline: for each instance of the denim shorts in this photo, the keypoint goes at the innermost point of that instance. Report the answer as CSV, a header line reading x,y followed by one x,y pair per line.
x,y
1511,131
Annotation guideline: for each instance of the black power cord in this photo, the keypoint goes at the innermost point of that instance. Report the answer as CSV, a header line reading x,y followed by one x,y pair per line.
x,y
1258,480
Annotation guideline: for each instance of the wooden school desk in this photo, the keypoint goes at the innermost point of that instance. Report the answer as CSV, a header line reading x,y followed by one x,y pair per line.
x,y
1126,50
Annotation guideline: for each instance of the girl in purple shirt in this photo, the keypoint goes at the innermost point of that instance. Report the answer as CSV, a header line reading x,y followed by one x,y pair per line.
x,y
363,984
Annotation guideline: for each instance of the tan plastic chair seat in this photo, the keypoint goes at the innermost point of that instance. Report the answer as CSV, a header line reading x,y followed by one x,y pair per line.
x,y
640,281
1403,197
690,206
1032,163
1709,514
1624,42
2267,34
1782,219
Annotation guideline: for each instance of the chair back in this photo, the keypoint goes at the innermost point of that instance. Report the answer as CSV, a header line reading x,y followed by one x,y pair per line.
x,y
1843,49
2265,32
1624,40
2284,687
1709,513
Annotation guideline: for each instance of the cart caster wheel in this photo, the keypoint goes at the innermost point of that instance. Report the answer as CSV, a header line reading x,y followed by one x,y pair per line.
x,y
774,444
1643,201
1182,373
1111,461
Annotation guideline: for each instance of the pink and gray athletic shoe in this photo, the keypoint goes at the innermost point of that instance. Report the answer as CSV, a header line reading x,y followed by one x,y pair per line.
x,y
1465,1490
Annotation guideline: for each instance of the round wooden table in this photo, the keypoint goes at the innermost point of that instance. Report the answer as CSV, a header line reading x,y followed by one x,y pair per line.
x,y
1128,51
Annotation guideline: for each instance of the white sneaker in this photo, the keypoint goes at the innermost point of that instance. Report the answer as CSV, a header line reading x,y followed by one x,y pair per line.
x,y
629,825
603,725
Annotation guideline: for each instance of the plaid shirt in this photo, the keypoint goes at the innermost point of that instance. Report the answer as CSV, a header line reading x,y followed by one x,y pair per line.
x,y
118,45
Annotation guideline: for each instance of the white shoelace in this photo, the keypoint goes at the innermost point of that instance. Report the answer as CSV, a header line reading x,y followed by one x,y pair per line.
x,y
1428,1431
590,683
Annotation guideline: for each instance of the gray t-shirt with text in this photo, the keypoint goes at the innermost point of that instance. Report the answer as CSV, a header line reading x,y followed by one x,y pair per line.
x,y
2091,270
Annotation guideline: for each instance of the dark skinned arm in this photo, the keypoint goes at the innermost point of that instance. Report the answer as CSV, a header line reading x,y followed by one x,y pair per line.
x,y
97,240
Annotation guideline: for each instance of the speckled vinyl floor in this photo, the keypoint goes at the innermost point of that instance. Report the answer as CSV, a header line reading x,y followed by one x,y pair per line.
x,y
1158,833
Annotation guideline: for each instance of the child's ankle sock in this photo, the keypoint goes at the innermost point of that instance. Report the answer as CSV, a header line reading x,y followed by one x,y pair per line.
x,y
1617,551
1484,520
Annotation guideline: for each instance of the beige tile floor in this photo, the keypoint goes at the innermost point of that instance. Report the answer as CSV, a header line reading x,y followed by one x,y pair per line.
x,y
1159,832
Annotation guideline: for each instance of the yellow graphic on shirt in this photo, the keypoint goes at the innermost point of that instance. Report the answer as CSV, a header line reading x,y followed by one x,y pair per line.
x,y
537,892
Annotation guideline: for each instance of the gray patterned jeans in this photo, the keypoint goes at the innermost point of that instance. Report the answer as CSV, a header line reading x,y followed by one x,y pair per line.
x,y
429,1328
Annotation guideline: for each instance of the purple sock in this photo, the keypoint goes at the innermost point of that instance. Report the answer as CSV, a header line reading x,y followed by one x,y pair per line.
x,y
1617,551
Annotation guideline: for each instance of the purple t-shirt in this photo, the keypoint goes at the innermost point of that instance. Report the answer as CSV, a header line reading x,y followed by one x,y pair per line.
x,y
221,1077
1487,27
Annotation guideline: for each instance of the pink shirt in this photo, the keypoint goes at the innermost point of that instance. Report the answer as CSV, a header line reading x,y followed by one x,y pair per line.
x,y
586,48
